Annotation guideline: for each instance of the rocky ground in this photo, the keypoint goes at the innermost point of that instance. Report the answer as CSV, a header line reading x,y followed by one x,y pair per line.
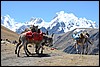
x,y
50,58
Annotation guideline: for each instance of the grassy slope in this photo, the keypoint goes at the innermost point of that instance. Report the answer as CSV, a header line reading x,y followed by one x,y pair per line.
x,y
6,33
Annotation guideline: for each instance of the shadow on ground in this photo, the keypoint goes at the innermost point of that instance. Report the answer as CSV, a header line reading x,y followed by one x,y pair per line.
x,y
39,55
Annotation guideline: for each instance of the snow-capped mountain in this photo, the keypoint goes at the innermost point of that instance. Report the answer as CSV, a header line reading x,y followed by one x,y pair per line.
x,y
9,23
61,23
64,22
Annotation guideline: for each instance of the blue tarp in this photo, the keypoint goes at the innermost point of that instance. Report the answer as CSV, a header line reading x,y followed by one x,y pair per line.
x,y
76,36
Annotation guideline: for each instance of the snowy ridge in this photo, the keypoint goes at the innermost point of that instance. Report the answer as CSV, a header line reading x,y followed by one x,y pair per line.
x,y
61,23
9,23
71,22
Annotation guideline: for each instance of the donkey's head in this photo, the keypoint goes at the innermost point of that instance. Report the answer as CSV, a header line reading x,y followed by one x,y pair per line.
x,y
34,28
85,35
48,40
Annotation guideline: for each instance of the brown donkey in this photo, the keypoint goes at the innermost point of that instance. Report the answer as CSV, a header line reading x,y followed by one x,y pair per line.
x,y
84,38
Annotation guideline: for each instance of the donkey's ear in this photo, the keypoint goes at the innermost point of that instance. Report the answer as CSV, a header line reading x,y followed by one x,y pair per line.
x,y
36,26
32,26
52,34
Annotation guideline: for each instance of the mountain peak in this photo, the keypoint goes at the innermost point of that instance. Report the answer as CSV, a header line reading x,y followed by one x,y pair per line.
x,y
60,13
7,21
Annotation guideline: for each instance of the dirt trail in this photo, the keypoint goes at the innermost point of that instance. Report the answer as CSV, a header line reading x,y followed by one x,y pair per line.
x,y
52,58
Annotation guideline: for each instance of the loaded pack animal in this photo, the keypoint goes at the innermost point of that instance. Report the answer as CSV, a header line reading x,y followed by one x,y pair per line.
x,y
81,41
35,37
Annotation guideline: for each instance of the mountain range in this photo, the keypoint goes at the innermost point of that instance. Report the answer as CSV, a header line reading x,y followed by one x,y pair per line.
x,y
61,23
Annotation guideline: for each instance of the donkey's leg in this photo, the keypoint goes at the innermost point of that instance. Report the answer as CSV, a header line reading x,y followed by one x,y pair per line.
x,y
40,45
42,48
25,47
37,48
17,46
81,46
76,46
19,50
86,48
82,49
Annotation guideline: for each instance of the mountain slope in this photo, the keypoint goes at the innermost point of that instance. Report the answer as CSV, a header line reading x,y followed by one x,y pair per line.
x,y
8,34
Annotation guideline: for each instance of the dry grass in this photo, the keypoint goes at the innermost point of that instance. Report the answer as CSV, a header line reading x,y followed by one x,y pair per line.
x,y
8,34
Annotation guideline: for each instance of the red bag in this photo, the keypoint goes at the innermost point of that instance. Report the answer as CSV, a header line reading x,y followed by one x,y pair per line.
x,y
37,36
29,35
34,36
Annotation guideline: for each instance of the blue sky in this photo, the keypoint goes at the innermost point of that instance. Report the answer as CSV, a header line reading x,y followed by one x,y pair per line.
x,y
22,11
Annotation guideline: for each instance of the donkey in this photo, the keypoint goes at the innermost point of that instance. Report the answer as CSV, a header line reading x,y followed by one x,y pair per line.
x,y
47,41
24,40
84,38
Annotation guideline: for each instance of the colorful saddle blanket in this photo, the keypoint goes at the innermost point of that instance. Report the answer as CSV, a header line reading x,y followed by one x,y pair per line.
x,y
34,36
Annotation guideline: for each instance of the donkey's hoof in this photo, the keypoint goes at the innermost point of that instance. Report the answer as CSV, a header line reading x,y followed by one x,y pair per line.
x,y
27,55
17,55
86,53
41,53
15,52
30,53
37,52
